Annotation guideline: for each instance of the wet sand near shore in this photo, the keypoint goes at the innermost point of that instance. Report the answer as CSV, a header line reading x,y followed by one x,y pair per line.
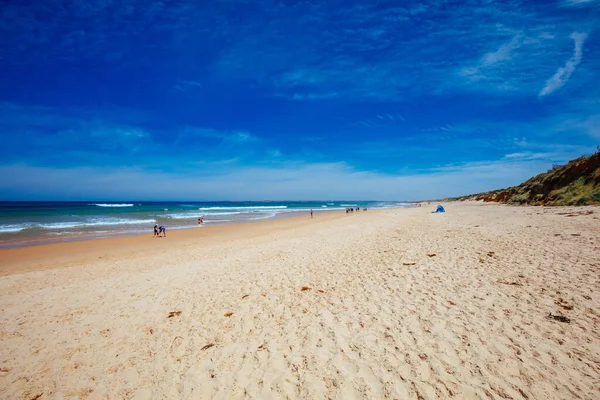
x,y
82,252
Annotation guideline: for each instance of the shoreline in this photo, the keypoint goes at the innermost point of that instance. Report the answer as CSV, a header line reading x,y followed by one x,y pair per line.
x,y
40,241
63,254
25,235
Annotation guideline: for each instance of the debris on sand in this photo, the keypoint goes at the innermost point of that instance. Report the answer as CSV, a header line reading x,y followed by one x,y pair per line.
x,y
408,263
559,318
229,314
305,288
431,255
512,283
174,314
564,304
208,346
574,214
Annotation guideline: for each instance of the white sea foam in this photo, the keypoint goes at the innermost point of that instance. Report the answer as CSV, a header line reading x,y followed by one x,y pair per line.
x,y
266,216
243,208
388,205
112,205
217,221
13,228
74,224
348,205
96,222
196,215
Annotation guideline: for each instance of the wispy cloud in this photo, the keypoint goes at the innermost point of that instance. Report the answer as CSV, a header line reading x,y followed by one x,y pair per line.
x,y
227,135
384,120
482,69
190,83
503,53
182,84
563,74
527,155
580,2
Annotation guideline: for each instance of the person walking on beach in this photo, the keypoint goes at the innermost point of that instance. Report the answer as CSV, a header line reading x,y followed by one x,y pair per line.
x,y
162,230
311,213
155,230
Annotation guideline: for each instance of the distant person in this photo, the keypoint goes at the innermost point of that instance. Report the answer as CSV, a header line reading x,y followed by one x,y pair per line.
x,y
200,220
311,213
162,231
155,230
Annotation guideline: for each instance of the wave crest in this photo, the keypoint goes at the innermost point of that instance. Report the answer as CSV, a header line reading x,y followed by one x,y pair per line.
x,y
112,205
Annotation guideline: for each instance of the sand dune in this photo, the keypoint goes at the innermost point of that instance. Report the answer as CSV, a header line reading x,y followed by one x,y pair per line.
x,y
390,304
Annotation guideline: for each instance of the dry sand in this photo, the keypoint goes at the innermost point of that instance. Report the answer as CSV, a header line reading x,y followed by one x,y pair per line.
x,y
396,304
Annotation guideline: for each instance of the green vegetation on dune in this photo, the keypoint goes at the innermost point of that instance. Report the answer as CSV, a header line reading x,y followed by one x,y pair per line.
x,y
575,183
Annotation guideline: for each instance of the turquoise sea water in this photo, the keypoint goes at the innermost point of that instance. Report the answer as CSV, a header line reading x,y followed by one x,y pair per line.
x,y
29,223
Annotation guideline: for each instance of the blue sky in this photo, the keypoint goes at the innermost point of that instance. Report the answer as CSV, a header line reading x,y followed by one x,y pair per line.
x,y
252,100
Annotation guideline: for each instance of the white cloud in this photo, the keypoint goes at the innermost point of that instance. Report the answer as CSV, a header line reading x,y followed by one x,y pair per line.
x,y
563,74
286,181
503,53
191,83
225,135
579,2
181,83
528,155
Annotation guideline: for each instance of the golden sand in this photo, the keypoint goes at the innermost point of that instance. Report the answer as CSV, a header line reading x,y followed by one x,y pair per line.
x,y
484,301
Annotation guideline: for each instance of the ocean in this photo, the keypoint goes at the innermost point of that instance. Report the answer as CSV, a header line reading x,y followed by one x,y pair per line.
x,y
30,223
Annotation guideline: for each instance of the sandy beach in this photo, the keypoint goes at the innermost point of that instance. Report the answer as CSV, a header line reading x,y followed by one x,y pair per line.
x,y
481,302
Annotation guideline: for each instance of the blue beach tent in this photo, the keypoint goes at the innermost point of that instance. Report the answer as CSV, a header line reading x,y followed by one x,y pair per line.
x,y
440,209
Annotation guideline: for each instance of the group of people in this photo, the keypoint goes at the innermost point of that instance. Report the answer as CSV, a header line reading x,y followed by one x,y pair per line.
x,y
351,210
160,231
348,210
